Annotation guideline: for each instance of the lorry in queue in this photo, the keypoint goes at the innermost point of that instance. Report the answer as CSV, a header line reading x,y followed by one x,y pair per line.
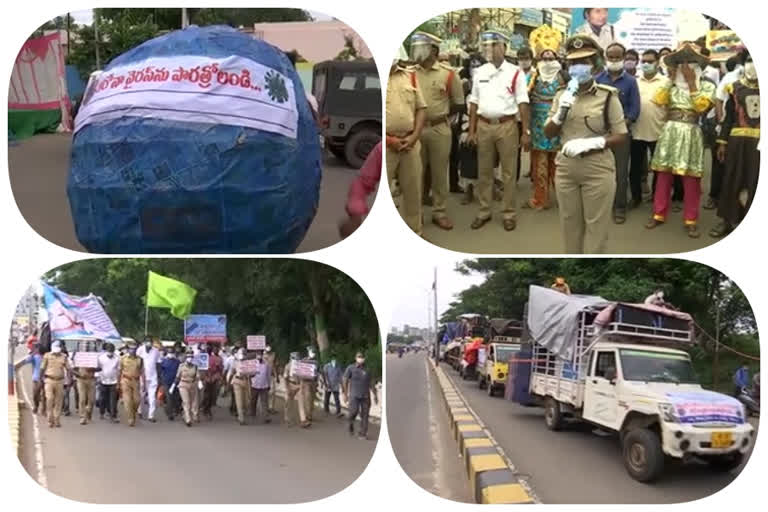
x,y
625,369
503,342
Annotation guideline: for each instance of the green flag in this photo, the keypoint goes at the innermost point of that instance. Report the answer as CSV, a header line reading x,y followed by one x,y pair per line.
x,y
164,292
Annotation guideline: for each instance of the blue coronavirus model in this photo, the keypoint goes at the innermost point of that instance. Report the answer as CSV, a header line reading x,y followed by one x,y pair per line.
x,y
198,141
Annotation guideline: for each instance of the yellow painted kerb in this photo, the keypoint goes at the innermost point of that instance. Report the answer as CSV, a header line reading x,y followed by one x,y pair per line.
x,y
504,493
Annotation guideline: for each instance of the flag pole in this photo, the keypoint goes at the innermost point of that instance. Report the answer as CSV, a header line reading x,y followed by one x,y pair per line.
x,y
434,310
146,318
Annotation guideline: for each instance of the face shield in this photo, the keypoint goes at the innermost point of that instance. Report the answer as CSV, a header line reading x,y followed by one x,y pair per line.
x,y
492,46
420,51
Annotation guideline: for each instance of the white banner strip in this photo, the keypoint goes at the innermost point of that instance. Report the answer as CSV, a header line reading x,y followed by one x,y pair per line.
x,y
233,91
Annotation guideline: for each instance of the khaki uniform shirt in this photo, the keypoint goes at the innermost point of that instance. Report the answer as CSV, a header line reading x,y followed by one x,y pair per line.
x,y
403,100
54,366
186,373
438,94
652,116
131,366
585,120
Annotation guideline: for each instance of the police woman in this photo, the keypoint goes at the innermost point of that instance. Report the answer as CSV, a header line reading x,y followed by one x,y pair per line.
x,y
590,121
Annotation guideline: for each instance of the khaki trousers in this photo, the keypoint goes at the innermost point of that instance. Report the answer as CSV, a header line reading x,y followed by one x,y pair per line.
x,y
189,401
131,398
292,393
435,155
405,167
585,195
54,399
492,140
86,390
240,390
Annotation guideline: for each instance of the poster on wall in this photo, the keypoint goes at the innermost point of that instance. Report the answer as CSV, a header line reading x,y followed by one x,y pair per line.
x,y
639,28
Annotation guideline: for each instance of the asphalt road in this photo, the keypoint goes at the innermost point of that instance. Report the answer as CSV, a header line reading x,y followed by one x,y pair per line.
x,y
538,232
38,171
575,466
213,462
419,429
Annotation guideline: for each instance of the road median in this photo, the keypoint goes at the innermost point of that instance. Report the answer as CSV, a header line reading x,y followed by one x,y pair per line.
x,y
492,478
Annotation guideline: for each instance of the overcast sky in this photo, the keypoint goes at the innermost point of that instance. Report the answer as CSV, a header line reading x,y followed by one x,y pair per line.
x,y
86,17
412,306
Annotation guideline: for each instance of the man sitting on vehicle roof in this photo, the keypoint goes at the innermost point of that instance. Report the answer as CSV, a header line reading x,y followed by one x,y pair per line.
x,y
561,286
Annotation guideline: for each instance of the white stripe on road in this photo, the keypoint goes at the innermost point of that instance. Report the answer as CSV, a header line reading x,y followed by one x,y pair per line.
x,y
39,461
433,431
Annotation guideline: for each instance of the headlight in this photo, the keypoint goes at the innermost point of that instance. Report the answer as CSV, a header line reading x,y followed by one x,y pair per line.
x,y
668,413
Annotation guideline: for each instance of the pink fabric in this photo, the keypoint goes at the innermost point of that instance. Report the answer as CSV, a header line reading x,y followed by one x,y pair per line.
x,y
364,184
691,197
606,315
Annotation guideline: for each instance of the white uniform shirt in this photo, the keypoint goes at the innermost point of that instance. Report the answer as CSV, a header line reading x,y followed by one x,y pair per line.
x,y
151,360
728,78
109,368
492,90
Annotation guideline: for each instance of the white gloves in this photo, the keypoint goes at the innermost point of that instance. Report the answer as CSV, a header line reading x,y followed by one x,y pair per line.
x,y
200,385
577,147
463,138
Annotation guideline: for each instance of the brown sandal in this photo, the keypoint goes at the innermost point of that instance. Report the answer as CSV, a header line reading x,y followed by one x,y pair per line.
x,y
509,224
652,223
443,223
693,231
478,223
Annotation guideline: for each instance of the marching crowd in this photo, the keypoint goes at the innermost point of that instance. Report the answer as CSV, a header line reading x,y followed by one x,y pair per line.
x,y
142,376
598,120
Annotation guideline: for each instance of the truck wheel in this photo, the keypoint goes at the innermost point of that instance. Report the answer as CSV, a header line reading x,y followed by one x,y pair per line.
x,y
358,145
552,415
491,388
642,454
725,463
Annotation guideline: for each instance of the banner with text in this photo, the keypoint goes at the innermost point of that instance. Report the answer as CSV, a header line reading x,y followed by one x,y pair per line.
x,y
70,315
706,407
86,360
256,342
205,329
231,90
201,361
639,28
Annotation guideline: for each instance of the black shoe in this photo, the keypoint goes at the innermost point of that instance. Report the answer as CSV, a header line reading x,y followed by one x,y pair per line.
x,y
171,418
152,420
188,423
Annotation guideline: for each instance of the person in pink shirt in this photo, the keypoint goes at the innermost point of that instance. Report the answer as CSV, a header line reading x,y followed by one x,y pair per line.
x,y
365,183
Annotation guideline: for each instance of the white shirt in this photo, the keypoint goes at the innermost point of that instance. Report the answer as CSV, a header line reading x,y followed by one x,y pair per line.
x,y
109,368
492,90
151,360
729,78
713,74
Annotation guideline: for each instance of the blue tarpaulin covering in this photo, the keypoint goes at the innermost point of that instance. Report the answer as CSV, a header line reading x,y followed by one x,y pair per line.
x,y
75,84
153,185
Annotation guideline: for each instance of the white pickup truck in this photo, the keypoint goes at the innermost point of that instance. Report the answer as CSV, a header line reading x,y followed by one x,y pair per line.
x,y
627,379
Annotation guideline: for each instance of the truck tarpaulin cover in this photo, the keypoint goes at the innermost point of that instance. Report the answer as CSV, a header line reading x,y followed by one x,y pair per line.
x,y
200,140
553,318
451,332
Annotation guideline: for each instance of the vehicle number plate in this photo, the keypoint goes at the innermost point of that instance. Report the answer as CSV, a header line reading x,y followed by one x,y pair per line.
x,y
721,439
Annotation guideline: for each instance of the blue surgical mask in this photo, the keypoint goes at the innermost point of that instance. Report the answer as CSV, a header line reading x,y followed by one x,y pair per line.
x,y
581,72
649,68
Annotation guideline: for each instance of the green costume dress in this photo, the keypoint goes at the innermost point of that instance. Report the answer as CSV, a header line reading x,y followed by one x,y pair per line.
x,y
680,148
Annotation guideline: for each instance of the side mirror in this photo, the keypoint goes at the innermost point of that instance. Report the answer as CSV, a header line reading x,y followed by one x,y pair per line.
x,y
611,376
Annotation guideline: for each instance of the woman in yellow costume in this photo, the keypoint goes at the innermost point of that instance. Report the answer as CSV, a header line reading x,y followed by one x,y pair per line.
x,y
545,81
680,148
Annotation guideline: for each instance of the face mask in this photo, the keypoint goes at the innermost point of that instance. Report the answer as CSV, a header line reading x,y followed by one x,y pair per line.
x,y
525,64
189,360
268,349
132,351
649,68
56,350
420,53
333,362
311,354
239,357
630,65
749,71
581,72
614,66
360,360
171,356
548,67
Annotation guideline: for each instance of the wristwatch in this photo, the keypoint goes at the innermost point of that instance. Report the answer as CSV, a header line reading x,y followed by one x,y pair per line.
x,y
528,132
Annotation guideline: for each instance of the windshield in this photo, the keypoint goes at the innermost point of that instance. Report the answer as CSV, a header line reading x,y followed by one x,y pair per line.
x,y
648,366
504,353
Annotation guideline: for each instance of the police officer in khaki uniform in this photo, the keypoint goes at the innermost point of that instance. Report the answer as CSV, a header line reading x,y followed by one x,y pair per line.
x,y
131,371
589,119
188,381
54,368
292,392
86,392
240,384
308,390
499,96
443,93
271,359
406,112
